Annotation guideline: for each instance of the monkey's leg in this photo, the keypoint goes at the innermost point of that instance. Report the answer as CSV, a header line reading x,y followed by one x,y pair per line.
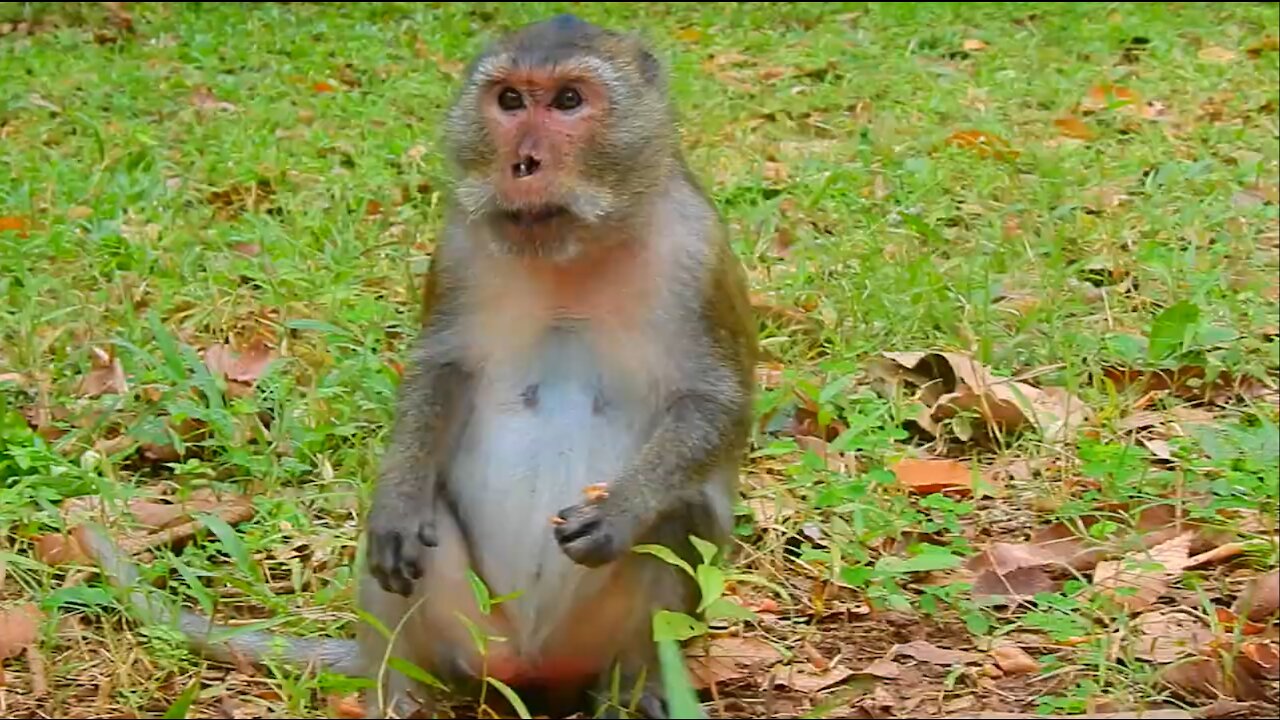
x,y
425,626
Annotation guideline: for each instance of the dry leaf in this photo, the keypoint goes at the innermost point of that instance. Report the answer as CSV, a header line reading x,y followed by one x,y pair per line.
x,y
346,706
1261,598
775,172
204,99
1073,127
1265,656
835,461
974,45
724,659
1204,677
12,377
323,87
1215,54
79,212
1164,636
928,652
882,668
689,35
983,143
949,384
770,375
934,475
1228,621
245,367
1188,382
1102,96
106,377
10,223
1013,660
58,549
1116,577
807,679
18,629
992,588
1270,43
250,249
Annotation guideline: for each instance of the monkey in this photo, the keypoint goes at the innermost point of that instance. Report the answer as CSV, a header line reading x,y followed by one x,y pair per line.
x,y
581,384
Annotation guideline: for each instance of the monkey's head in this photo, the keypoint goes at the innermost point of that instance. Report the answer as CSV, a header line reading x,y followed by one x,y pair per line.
x,y
560,126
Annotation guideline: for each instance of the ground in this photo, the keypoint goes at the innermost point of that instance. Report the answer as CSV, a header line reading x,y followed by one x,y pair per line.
x,y
1016,273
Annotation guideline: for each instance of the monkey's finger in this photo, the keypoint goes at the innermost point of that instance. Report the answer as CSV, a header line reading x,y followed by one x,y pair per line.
x,y
427,534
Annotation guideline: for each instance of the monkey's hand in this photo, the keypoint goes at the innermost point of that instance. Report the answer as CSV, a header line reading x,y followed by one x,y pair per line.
x,y
591,535
399,535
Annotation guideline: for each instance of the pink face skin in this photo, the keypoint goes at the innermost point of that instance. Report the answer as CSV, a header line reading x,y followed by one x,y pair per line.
x,y
539,121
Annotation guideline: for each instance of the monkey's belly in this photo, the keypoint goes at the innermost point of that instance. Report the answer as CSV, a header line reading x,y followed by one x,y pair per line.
x,y
534,442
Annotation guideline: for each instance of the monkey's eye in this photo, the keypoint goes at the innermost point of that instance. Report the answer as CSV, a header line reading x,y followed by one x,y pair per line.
x,y
510,100
567,99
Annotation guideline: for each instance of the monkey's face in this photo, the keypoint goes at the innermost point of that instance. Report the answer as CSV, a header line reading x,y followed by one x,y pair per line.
x,y
534,185
556,133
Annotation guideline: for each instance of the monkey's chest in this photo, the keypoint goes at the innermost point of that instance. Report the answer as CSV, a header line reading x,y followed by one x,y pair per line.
x,y
539,432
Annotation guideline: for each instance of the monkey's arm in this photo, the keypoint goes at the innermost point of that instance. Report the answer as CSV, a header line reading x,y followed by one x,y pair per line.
x,y
705,423
402,521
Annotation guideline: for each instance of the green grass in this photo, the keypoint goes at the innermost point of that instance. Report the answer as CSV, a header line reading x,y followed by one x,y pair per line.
x,y
821,127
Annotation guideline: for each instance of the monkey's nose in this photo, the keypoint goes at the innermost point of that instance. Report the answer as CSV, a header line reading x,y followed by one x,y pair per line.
x,y
527,166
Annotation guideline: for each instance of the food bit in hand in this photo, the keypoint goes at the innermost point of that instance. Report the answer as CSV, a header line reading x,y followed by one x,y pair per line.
x,y
596,492
557,520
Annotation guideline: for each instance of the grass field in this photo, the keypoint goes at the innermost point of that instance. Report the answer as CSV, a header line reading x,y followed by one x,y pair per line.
x,y
213,223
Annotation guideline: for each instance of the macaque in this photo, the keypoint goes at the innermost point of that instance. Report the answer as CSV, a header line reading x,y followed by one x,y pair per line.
x,y
582,384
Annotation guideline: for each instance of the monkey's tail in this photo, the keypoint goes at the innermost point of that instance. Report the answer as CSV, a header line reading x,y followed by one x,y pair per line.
x,y
211,640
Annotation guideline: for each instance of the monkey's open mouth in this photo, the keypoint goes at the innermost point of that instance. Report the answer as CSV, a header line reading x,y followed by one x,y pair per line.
x,y
527,217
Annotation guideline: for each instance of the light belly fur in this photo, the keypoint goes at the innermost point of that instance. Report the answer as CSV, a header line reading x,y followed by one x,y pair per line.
x,y
534,440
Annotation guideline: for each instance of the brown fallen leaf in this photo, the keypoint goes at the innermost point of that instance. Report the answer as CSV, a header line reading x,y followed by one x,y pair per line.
x,y
243,367
323,87
1261,599
974,45
933,475
1165,636
983,143
12,377
1204,677
106,377
1270,43
835,461
12,223
928,652
1132,581
882,668
1189,382
950,384
775,173
803,677
1215,54
57,549
18,629
1104,95
79,212
689,35
1013,660
1228,621
991,588
1073,127
203,98
346,706
725,659
1264,654
770,375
